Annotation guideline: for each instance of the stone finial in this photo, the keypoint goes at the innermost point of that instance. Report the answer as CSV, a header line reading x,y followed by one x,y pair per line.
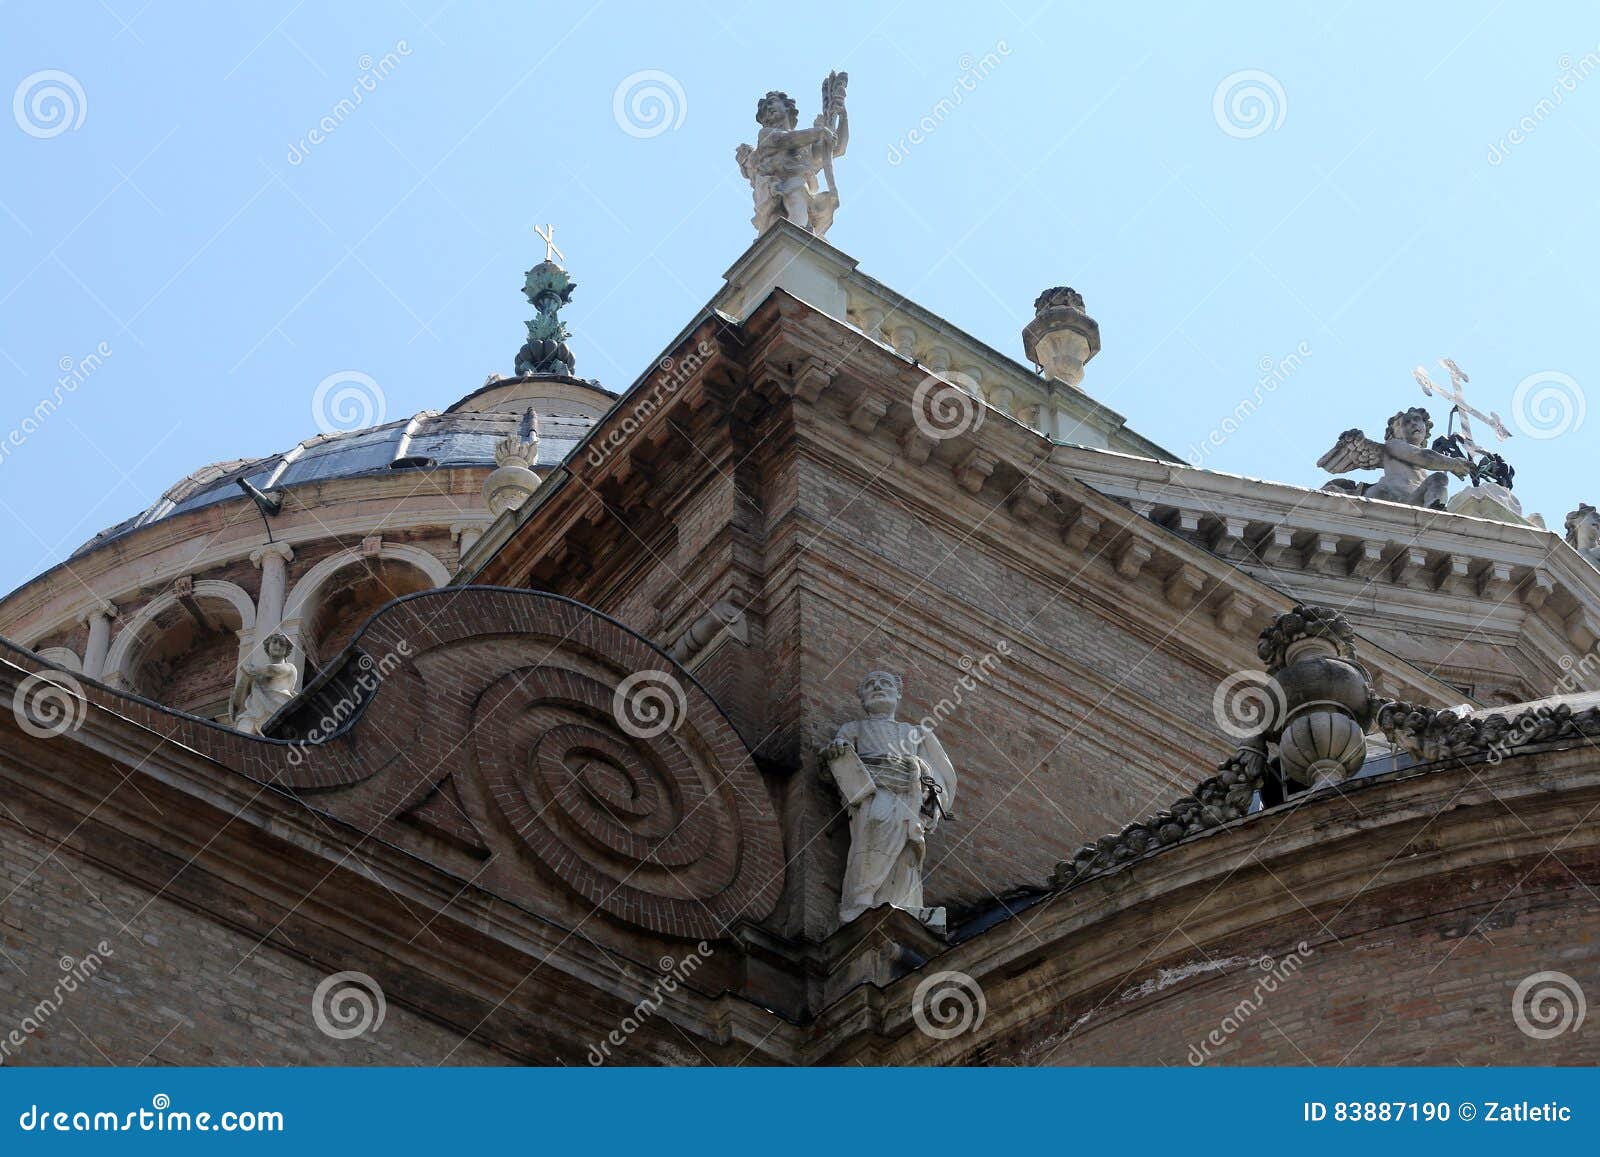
x,y
1583,532
547,288
509,486
1061,338
1323,700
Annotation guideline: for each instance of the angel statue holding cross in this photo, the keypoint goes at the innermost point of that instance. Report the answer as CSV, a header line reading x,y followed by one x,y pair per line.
x,y
1404,458
1413,471
783,164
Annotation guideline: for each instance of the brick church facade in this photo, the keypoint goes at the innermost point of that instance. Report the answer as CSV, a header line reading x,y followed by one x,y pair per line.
x,y
550,790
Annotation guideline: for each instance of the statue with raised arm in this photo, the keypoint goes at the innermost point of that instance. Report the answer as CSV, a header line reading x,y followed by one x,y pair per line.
x,y
897,783
1583,532
783,164
1412,473
263,688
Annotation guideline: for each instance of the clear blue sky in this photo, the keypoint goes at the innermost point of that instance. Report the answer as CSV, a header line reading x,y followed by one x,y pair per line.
x,y
1369,223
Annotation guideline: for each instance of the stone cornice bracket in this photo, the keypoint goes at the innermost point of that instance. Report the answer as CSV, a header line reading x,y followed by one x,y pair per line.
x,y
916,445
1537,589
280,549
974,469
1409,563
1452,573
1029,502
1322,555
1132,557
1235,613
808,382
1366,560
1183,587
723,620
1227,539
1494,582
1084,529
1581,629
1275,546
867,412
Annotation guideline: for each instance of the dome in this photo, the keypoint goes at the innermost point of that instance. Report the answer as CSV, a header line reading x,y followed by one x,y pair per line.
x,y
429,441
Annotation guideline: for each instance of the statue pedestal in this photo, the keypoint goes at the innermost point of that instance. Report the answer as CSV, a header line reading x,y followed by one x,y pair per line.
x,y
844,973
862,957
787,257
1488,500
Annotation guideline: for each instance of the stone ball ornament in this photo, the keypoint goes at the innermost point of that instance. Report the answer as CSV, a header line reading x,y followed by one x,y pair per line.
x,y
1327,699
1320,746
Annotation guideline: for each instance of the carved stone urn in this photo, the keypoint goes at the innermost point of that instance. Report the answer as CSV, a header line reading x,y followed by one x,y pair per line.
x,y
1061,338
514,482
1326,704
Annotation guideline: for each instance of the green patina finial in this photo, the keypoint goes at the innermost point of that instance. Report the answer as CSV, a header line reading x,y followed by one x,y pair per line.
x,y
548,288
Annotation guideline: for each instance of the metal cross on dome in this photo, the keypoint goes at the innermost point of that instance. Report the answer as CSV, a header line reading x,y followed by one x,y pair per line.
x,y
548,236
1459,399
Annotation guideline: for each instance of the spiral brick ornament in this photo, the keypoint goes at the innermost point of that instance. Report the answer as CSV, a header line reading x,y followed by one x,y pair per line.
x,y
666,829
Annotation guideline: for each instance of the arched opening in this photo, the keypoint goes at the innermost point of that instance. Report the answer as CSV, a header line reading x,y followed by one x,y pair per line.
x,y
348,597
186,655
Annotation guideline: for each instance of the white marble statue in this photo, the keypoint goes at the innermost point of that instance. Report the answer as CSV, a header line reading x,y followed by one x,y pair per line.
x,y
897,782
782,166
1404,458
263,688
1583,532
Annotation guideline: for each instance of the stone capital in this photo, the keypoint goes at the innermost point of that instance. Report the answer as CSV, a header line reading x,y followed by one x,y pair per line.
x,y
279,549
99,609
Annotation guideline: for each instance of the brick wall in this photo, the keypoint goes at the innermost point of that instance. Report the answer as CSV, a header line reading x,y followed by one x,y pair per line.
x,y
175,988
1409,974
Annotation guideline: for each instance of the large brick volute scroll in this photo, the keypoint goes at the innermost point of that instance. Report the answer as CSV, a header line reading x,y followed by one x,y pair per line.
x,y
580,749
